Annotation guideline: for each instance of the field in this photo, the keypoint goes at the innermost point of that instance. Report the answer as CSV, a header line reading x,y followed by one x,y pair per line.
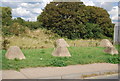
x,y
38,45
43,58
42,38
82,27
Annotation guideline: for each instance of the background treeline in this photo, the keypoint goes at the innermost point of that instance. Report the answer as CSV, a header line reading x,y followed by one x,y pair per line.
x,y
72,20
15,26
75,20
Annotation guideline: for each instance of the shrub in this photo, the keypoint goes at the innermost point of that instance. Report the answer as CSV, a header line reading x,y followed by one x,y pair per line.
x,y
114,60
17,29
57,62
5,44
6,30
14,29
33,25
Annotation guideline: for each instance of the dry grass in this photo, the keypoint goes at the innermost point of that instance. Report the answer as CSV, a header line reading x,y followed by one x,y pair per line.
x,y
33,39
42,38
83,43
100,74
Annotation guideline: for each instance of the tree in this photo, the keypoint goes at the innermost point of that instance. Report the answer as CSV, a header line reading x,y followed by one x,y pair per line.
x,y
92,31
6,16
102,18
19,20
60,17
68,19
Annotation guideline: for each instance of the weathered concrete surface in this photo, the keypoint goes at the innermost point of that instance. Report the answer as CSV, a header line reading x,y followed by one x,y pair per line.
x,y
61,49
105,43
61,52
11,74
111,50
14,52
57,72
61,43
0,75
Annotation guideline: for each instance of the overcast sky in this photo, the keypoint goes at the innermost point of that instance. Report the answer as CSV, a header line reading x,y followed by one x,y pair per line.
x,y
30,10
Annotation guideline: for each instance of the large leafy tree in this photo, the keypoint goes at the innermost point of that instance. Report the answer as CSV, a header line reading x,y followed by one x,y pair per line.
x,y
6,16
102,18
69,19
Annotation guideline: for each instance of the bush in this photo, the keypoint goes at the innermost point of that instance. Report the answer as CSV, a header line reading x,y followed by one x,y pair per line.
x,y
33,25
5,44
6,30
17,29
14,29
114,60
57,62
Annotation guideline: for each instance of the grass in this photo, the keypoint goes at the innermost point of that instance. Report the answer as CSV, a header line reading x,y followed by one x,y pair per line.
x,y
37,46
42,38
43,58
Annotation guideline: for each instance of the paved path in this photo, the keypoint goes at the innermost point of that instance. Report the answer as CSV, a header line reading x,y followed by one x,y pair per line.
x,y
56,72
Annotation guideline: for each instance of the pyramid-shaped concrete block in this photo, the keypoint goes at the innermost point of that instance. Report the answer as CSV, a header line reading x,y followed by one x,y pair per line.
x,y
62,43
61,52
106,43
61,49
14,52
111,50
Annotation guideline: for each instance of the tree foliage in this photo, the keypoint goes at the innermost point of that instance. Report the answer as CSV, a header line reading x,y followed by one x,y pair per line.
x,y
6,16
14,29
15,26
68,19
33,25
75,20
29,24
19,20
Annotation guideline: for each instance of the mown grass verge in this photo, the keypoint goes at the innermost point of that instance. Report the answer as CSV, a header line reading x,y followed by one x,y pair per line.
x,y
43,58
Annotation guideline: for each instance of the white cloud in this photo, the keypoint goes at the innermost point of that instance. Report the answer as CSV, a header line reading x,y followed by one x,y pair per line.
x,y
106,5
47,1
28,11
20,12
106,0
114,10
28,5
10,4
114,13
36,10
24,4
88,2
21,0
30,18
